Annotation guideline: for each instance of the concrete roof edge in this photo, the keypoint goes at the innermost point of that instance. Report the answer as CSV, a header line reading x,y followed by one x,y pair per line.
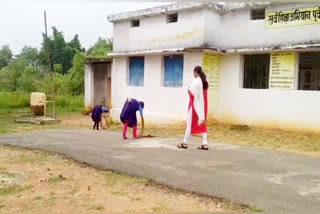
x,y
219,50
98,59
168,50
143,52
274,48
161,10
181,6
229,6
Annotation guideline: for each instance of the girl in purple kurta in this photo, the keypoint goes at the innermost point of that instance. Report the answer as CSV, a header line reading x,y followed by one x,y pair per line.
x,y
96,116
129,116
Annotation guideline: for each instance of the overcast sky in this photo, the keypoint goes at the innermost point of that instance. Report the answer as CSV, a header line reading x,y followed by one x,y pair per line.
x,y
22,22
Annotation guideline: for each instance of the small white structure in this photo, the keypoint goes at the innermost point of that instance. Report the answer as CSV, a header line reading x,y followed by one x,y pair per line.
x,y
97,82
38,103
262,61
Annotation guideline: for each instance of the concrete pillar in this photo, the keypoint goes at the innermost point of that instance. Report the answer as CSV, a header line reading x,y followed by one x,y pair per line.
x,y
88,86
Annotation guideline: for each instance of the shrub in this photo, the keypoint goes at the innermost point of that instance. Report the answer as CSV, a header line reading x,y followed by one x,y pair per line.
x,y
22,100
14,100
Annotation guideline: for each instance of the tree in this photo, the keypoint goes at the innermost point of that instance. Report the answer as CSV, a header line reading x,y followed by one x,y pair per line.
x,y
5,56
100,48
31,55
76,75
60,51
29,80
75,44
58,68
13,74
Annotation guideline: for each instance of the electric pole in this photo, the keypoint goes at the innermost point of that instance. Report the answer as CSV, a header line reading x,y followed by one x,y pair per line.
x,y
50,70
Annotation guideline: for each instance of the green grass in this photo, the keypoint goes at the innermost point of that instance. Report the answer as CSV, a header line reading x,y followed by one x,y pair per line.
x,y
8,174
73,191
13,189
36,157
15,104
254,209
50,201
56,179
160,207
18,100
113,178
9,100
119,193
38,198
97,207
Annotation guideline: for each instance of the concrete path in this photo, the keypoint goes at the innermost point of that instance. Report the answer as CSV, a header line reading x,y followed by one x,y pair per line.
x,y
269,180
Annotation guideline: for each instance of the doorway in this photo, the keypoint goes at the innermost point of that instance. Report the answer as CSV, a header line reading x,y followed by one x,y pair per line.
x,y
102,83
309,71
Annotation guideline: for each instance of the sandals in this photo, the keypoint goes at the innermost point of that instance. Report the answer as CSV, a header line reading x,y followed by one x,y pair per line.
x,y
185,146
202,147
182,146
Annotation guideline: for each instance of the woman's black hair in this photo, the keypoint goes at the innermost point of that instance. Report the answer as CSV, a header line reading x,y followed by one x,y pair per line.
x,y
142,104
203,77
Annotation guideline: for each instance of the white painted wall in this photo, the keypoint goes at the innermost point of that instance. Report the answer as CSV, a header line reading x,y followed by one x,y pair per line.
x,y
264,107
161,103
234,29
155,33
88,86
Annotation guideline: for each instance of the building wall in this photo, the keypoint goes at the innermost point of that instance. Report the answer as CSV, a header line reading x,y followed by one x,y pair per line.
x,y
225,30
161,103
234,29
264,107
274,108
155,33
88,86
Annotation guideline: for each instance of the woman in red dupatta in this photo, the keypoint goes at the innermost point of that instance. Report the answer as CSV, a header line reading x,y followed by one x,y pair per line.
x,y
198,109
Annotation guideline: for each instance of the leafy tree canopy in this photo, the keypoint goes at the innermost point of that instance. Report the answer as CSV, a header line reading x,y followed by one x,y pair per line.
x,y
60,51
5,56
100,48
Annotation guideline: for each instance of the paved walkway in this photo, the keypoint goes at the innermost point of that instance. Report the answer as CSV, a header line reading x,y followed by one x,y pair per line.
x,y
266,179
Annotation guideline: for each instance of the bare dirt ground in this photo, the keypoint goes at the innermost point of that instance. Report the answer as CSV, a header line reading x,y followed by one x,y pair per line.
x,y
42,182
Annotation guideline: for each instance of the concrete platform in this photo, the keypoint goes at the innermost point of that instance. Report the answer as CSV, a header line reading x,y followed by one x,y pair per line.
x,y
37,120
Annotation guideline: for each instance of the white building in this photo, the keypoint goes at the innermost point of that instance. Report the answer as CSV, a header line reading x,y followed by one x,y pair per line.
x,y
262,61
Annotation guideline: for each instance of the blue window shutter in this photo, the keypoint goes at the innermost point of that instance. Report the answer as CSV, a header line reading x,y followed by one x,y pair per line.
x,y
173,71
136,71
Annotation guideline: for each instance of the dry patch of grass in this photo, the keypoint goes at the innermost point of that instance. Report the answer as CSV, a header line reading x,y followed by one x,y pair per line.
x,y
42,182
13,189
284,140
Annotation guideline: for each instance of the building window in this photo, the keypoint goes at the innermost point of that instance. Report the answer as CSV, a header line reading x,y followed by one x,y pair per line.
x,y
256,71
309,71
257,14
135,23
136,71
173,71
172,18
